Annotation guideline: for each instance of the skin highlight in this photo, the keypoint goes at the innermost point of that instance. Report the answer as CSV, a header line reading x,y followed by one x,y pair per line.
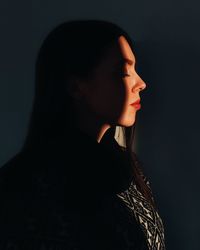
x,y
104,100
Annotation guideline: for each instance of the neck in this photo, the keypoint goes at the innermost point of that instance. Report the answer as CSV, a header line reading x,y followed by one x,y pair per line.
x,y
92,125
96,131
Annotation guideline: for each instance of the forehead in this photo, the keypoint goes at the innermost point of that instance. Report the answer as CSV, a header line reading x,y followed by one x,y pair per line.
x,y
125,50
119,54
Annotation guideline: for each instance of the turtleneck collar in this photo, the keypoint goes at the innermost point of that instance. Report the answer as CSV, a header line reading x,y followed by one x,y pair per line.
x,y
109,163
77,163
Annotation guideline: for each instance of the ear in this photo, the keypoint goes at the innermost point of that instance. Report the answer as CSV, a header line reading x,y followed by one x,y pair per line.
x,y
75,88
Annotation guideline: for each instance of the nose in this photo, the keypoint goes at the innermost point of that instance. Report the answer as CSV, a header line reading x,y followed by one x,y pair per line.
x,y
140,84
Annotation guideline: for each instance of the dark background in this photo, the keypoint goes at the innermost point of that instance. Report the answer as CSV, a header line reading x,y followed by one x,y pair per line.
x,y
167,38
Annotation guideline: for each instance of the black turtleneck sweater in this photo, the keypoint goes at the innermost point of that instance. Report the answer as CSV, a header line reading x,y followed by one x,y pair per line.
x,y
74,193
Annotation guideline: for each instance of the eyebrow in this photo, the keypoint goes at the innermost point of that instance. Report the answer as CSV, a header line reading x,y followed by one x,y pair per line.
x,y
126,60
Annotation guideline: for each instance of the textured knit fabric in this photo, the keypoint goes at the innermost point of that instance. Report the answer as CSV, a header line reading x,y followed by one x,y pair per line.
x,y
147,217
54,198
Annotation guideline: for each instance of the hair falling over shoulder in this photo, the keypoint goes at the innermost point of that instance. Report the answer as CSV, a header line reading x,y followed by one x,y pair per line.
x,y
52,112
125,138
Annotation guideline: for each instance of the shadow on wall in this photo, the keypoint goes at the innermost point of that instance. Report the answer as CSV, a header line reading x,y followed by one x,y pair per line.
x,y
168,132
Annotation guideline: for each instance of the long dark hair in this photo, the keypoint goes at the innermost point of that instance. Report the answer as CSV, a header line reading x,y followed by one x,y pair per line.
x,y
52,114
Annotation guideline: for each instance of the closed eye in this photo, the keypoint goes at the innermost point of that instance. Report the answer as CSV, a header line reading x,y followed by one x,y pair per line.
x,y
125,75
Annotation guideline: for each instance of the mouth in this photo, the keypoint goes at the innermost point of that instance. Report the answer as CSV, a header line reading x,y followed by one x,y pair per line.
x,y
136,104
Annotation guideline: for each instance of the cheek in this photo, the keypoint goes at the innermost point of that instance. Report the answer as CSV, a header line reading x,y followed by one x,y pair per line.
x,y
109,100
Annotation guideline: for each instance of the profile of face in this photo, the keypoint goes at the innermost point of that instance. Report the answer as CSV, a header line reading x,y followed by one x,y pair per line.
x,y
114,86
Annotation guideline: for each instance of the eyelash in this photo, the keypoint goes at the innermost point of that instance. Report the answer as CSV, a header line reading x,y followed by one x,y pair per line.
x,y
125,75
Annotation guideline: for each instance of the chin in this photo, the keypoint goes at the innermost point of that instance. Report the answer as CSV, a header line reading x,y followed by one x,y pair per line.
x,y
126,123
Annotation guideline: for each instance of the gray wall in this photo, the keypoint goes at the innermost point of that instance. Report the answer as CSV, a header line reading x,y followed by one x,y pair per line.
x,y
167,36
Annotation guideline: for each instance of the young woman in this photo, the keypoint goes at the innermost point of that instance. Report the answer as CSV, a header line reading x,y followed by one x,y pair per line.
x,y
77,183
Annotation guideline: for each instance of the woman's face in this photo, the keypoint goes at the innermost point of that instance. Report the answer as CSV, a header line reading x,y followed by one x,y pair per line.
x,y
114,86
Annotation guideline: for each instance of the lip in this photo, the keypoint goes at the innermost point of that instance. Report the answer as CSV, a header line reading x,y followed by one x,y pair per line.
x,y
136,104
